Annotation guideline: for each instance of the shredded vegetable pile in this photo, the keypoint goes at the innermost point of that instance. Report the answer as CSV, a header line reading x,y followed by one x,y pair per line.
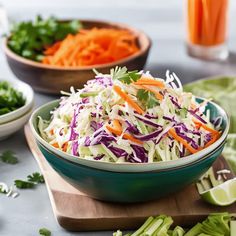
x,y
92,47
130,117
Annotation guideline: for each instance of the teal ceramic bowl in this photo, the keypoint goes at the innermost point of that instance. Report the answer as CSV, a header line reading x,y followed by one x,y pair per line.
x,y
125,182
128,187
214,109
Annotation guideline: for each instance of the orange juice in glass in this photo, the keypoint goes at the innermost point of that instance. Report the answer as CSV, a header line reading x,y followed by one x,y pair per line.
x,y
207,29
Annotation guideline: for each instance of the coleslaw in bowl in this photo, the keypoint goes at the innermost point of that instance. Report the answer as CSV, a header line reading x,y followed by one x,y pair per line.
x,y
131,121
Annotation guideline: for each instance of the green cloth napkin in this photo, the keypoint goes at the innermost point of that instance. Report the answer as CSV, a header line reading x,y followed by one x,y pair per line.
x,y
223,91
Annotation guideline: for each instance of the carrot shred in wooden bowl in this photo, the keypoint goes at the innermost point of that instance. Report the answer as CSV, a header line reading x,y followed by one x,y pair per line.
x,y
91,47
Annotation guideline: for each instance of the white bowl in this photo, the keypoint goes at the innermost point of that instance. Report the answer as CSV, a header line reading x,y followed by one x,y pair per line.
x,y
11,127
28,94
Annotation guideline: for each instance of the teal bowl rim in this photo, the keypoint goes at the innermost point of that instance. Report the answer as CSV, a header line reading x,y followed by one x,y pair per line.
x,y
146,172
133,167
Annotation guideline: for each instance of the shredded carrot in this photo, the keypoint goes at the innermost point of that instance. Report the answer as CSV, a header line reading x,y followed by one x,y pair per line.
x,y
56,145
133,139
92,47
51,131
126,97
117,130
116,124
157,94
113,130
151,82
181,140
214,138
204,126
64,146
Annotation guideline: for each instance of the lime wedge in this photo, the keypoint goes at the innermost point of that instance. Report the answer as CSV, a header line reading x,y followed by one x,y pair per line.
x,y
221,195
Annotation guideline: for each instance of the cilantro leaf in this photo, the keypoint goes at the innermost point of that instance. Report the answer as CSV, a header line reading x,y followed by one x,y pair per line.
x,y
45,232
122,74
36,178
24,184
147,98
9,157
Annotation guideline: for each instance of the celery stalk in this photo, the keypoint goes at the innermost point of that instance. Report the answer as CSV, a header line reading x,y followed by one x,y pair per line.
x,y
143,227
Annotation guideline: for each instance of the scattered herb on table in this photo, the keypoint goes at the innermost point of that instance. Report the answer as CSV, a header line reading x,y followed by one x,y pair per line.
x,y
45,232
29,39
32,181
9,157
10,98
23,184
36,178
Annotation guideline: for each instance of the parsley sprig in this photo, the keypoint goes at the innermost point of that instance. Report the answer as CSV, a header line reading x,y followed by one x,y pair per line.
x,y
36,178
122,74
9,157
32,181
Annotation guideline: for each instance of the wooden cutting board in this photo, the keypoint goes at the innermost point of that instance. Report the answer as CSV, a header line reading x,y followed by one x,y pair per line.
x,y
77,212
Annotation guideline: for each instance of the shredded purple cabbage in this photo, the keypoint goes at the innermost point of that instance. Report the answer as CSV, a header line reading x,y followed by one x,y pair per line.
x,y
95,125
151,136
99,157
148,122
197,116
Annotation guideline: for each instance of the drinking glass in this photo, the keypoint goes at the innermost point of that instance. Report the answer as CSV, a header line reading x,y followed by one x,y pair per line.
x,y
207,29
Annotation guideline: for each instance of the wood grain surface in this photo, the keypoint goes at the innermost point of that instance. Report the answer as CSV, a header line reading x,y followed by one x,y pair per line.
x,y
77,212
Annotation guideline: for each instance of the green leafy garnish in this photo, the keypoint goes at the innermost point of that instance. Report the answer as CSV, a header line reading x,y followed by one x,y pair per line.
x,y
147,98
24,184
36,178
9,157
45,232
29,39
124,75
10,98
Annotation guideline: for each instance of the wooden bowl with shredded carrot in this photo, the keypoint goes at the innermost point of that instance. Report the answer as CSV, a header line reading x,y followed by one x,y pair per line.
x,y
99,45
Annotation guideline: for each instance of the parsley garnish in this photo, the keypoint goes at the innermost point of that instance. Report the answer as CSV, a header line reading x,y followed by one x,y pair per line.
x,y
124,75
9,157
24,184
32,180
36,178
45,232
147,98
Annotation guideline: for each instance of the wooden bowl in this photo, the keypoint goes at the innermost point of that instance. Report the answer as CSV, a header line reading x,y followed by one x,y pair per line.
x,y
53,79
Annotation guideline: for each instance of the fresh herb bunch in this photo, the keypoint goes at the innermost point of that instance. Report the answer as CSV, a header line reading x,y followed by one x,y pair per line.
x,y
10,98
29,39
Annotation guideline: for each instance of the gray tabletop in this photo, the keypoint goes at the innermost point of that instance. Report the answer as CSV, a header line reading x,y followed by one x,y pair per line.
x,y
163,21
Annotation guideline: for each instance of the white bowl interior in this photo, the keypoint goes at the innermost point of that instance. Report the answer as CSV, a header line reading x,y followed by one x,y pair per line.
x,y
28,94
